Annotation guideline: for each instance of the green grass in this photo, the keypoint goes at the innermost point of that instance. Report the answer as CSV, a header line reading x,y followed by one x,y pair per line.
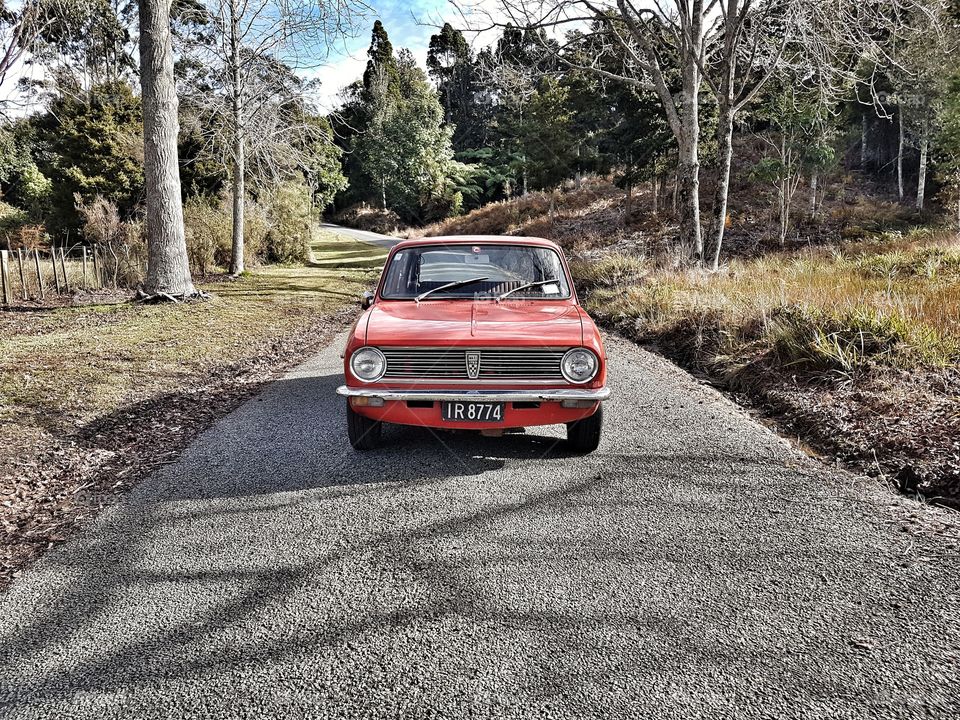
x,y
63,367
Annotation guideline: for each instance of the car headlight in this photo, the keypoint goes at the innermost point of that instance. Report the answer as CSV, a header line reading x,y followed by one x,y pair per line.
x,y
368,364
579,365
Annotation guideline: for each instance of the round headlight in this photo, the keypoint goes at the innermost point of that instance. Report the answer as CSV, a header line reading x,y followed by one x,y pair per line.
x,y
579,365
368,364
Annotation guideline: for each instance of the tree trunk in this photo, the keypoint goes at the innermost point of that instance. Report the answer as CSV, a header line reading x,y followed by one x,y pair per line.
x,y
900,146
239,143
168,269
655,205
784,211
675,201
718,223
628,204
814,184
239,195
922,181
578,180
691,234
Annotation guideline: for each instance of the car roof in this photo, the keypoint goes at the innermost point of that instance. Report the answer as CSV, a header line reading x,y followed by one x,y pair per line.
x,y
477,240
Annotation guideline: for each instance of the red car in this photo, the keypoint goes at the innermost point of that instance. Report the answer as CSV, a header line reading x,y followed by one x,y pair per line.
x,y
475,333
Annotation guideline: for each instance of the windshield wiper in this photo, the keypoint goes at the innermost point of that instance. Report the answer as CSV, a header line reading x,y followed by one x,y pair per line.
x,y
448,286
538,283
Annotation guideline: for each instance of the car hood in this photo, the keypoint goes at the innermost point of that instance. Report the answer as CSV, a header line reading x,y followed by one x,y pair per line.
x,y
465,322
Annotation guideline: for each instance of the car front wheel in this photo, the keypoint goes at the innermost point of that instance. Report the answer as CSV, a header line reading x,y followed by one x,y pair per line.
x,y
583,436
363,432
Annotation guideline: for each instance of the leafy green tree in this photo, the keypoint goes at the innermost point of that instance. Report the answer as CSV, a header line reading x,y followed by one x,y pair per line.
x,y
21,181
91,146
322,167
87,43
405,151
381,64
453,68
546,135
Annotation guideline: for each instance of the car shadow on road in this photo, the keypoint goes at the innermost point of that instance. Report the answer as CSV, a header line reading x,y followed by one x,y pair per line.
x,y
293,437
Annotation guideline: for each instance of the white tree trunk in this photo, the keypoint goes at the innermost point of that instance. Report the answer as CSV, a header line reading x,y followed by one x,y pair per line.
x,y
689,168
900,146
239,143
814,183
922,181
655,204
718,223
239,195
168,269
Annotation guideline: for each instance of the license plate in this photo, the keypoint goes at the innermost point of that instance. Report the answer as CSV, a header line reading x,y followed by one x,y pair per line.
x,y
472,411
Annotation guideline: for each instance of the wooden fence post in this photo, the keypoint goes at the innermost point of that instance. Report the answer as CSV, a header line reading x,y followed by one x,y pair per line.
x,y
23,280
5,276
63,268
36,262
85,285
97,277
53,262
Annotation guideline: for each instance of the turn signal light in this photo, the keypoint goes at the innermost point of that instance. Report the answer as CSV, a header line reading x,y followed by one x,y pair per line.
x,y
578,403
361,401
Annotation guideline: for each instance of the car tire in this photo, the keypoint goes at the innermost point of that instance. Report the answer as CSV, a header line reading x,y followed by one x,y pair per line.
x,y
583,436
363,432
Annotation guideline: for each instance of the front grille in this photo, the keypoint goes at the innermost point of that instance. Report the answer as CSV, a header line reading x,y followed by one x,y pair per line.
x,y
514,364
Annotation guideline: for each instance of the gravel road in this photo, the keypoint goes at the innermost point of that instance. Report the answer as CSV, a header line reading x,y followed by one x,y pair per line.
x,y
696,566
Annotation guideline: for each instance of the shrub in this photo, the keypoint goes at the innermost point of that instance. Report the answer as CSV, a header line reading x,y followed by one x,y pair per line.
x,y
12,219
207,228
290,224
123,245
209,233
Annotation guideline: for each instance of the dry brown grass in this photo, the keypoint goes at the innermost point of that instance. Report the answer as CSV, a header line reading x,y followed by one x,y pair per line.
x,y
586,217
826,309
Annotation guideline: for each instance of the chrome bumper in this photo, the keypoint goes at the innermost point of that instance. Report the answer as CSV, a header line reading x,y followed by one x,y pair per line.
x,y
556,395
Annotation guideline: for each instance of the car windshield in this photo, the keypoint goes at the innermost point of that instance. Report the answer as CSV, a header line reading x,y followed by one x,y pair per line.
x,y
476,270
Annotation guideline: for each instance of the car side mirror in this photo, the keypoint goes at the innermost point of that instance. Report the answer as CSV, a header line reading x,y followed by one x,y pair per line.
x,y
366,300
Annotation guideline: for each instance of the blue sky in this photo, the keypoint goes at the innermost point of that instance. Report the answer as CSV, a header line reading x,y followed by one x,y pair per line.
x,y
409,25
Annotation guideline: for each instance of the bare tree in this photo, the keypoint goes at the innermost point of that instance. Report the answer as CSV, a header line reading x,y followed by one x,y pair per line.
x,y
732,46
168,270
252,51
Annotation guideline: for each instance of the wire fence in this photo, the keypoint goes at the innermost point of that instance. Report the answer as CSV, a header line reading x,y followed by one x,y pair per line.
x,y
32,275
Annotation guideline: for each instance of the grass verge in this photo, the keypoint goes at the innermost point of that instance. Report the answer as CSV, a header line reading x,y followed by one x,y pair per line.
x,y
856,350
92,397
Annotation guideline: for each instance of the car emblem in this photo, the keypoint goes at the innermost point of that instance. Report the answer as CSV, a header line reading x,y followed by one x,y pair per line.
x,y
473,365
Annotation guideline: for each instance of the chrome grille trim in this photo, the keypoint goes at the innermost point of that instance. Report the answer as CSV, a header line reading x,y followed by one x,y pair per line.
x,y
415,364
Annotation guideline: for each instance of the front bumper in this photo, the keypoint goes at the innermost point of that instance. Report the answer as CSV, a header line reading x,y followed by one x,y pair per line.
x,y
548,395
522,408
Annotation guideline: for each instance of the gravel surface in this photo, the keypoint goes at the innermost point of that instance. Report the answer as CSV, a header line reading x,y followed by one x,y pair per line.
x,y
695,566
